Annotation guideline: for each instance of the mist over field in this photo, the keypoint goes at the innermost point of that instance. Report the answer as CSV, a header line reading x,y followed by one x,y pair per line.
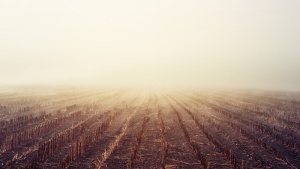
x,y
165,84
171,44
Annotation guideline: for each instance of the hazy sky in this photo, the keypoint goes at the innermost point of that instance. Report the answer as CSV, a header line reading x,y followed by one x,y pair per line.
x,y
232,43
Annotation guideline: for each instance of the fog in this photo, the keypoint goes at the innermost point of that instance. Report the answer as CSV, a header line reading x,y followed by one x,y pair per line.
x,y
170,43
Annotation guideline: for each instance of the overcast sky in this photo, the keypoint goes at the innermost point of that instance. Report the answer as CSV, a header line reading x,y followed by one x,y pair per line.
x,y
232,43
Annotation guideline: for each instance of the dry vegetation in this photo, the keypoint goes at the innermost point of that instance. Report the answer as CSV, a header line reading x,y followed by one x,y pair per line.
x,y
138,129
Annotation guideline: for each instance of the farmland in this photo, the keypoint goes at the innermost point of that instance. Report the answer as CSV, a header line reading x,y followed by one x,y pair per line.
x,y
150,129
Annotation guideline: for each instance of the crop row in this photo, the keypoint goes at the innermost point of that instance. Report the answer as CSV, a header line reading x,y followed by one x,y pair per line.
x,y
22,137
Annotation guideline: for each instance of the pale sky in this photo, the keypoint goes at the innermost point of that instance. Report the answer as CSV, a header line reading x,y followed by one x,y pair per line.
x,y
226,43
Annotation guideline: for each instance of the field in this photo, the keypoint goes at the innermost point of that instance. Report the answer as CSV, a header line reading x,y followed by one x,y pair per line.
x,y
150,129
